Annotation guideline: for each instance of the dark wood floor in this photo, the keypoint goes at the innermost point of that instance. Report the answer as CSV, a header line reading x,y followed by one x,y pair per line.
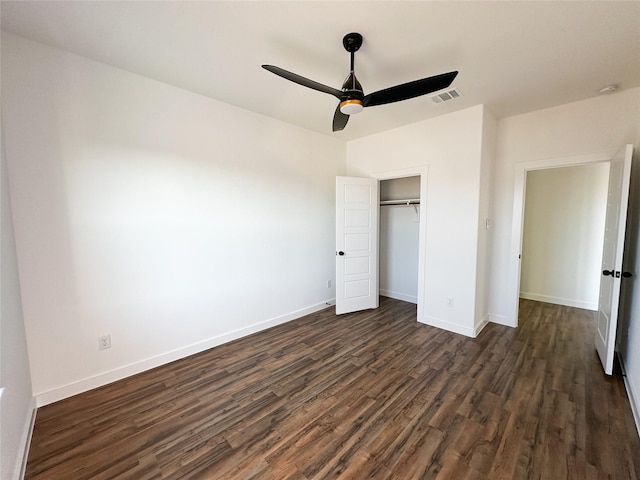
x,y
367,395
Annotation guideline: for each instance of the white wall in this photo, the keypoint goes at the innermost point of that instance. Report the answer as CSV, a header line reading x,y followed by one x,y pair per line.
x,y
16,400
485,220
450,146
563,235
168,220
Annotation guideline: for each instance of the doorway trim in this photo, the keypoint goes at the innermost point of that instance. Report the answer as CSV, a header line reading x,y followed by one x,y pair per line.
x,y
519,192
422,172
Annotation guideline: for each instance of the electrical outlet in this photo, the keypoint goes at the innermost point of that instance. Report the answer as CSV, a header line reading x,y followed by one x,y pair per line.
x,y
328,283
450,302
104,342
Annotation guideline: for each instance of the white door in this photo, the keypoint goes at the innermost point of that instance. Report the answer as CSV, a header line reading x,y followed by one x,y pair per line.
x,y
357,211
615,225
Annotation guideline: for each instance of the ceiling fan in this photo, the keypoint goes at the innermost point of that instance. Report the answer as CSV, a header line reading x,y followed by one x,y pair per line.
x,y
352,98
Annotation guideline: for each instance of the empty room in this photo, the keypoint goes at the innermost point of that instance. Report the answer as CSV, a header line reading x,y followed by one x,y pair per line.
x,y
292,240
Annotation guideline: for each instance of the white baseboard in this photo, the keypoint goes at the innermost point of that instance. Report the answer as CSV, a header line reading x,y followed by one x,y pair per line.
x,y
449,326
25,442
567,302
501,320
399,296
634,396
89,383
479,326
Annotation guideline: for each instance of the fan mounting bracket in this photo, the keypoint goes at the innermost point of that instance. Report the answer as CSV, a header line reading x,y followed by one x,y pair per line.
x,y
352,42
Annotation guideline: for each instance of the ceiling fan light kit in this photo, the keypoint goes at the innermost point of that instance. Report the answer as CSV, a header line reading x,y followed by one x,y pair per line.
x,y
351,96
351,107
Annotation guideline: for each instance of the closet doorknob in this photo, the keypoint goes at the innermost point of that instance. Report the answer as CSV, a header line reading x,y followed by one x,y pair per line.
x,y
627,274
341,253
607,272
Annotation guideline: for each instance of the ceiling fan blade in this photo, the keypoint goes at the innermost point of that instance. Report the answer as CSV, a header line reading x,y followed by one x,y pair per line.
x,y
339,120
409,90
305,82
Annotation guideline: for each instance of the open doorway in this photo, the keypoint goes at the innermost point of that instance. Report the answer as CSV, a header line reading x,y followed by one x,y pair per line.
x,y
418,174
613,245
563,234
399,238
515,254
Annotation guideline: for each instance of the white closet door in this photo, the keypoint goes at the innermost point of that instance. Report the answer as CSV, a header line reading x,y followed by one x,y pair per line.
x,y
357,212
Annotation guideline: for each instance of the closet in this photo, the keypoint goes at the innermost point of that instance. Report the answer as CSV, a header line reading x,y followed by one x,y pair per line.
x,y
399,234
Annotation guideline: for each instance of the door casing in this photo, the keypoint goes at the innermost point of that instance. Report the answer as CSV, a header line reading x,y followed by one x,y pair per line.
x,y
422,172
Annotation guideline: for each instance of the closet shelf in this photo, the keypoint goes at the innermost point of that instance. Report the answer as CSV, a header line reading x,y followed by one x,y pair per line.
x,y
408,201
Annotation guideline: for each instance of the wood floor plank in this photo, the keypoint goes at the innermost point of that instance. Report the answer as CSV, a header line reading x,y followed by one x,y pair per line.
x,y
372,394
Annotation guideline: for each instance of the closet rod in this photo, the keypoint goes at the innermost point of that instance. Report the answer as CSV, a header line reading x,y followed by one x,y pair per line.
x,y
409,201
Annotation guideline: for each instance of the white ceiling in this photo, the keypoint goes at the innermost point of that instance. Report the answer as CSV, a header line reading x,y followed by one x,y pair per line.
x,y
512,56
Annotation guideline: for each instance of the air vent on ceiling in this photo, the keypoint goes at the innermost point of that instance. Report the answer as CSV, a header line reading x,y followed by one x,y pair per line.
x,y
446,96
